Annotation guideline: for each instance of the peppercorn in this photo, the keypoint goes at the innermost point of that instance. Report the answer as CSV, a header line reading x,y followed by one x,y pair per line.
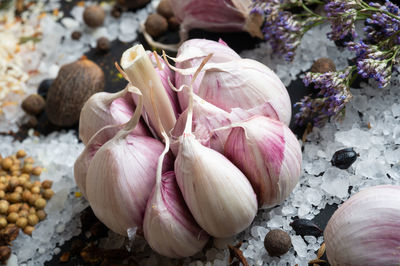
x,y
6,163
40,203
103,44
33,104
116,12
323,65
41,214
47,184
94,16
29,229
33,219
22,222
37,170
277,242
344,158
306,227
21,154
173,23
12,217
164,9
76,35
156,25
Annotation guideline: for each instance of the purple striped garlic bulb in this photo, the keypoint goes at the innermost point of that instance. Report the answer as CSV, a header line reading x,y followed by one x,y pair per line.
x,y
269,154
365,230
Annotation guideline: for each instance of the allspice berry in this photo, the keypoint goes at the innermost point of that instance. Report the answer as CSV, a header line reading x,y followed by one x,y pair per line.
x,y
277,242
156,25
173,23
94,16
323,65
164,9
33,104
103,44
75,83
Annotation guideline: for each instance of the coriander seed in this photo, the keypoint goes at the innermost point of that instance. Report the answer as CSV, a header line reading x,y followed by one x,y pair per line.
x,y
27,168
4,206
33,199
41,214
22,222
37,170
12,217
26,195
15,197
14,208
33,219
40,203
48,193
35,189
21,154
47,184
29,160
29,229
6,163
3,222
23,213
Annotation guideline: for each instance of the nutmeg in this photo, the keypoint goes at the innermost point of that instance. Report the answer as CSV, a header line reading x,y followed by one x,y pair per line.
x,y
94,16
156,25
75,83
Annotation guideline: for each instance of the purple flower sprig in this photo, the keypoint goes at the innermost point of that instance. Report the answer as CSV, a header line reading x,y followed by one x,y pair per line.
x,y
334,93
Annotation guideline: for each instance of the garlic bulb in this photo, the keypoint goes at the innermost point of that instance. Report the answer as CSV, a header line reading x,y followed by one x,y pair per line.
x,y
216,15
83,161
103,109
365,229
141,74
122,175
217,193
269,155
168,226
242,83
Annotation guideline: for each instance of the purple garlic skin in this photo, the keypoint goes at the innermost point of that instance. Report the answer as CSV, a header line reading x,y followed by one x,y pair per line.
x,y
120,179
269,154
365,229
168,226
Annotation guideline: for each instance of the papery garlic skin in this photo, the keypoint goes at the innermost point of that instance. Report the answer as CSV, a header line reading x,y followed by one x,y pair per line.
x,y
242,83
120,179
104,109
217,193
83,161
168,226
269,154
365,229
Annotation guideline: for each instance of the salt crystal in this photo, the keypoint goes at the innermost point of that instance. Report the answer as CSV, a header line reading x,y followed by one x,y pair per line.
x,y
299,245
354,137
335,182
313,196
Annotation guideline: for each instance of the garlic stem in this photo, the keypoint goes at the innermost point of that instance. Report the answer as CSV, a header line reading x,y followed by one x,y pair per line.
x,y
141,73
131,124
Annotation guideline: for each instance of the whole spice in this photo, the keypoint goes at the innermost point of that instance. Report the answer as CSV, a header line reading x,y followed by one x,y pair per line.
x,y
364,230
344,158
156,25
173,23
44,87
94,16
323,65
116,11
76,35
164,9
306,227
133,4
75,83
5,253
103,44
277,242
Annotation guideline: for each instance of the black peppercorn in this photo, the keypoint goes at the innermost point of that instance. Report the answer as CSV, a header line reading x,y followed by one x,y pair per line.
x,y
94,16
103,44
76,35
304,227
344,158
277,242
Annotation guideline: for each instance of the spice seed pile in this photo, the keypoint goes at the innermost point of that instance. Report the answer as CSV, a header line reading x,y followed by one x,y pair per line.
x,y
22,197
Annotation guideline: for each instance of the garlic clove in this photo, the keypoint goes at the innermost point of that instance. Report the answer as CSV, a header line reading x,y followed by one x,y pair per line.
x,y
168,225
120,178
269,154
83,161
241,83
217,193
365,229
103,109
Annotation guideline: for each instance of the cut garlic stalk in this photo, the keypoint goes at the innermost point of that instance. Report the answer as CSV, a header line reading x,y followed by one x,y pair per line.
x,y
141,73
